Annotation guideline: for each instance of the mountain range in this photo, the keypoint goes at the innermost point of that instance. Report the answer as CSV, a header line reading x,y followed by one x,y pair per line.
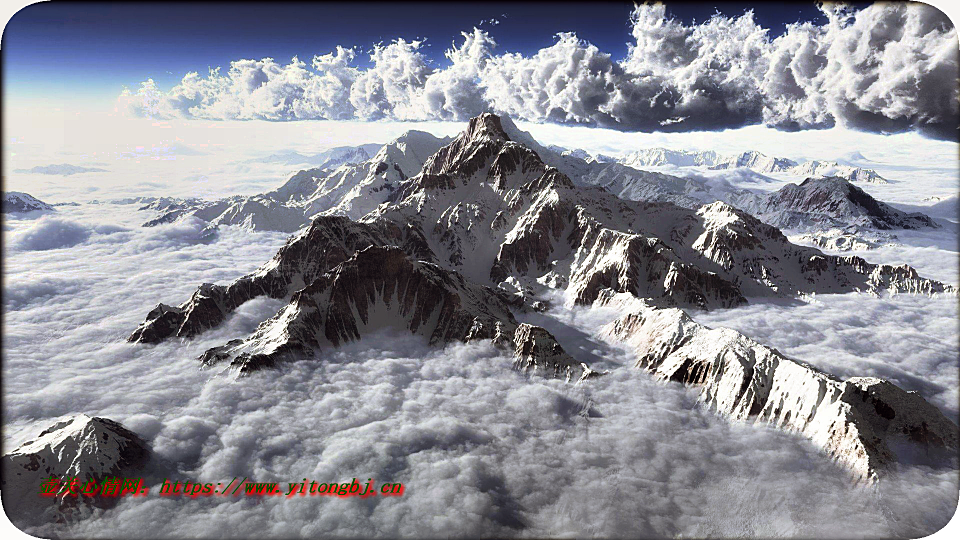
x,y
486,227
455,239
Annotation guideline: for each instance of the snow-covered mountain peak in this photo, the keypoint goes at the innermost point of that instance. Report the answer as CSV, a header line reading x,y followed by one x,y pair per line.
x,y
82,447
17,201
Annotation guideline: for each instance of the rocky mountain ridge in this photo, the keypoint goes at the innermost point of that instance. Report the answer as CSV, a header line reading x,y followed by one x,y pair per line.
x,y
862,422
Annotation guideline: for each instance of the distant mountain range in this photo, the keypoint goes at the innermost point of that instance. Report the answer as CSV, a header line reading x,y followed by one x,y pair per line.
x,y
753,160
63,169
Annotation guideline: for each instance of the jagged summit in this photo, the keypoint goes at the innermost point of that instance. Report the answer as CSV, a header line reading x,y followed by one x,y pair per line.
x,y
486,126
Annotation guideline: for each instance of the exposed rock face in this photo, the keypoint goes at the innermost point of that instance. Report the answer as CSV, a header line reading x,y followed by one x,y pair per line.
x,y
328,242
81,447
862,422
381,287
537,351
18,202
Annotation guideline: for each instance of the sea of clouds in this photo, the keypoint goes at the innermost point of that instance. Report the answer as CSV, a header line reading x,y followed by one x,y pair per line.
x,y
887,67
482,450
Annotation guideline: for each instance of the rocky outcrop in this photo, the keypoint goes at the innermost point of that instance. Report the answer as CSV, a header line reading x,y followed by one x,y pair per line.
x,y
866,424
82,447
328,242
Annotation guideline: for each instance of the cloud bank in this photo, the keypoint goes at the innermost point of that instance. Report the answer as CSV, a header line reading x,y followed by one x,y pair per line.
x,y
482,450
884,68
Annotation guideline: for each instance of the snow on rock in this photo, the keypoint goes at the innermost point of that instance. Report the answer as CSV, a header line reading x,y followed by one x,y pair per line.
x,y
18,202
847,172
866,424
81,447
382,287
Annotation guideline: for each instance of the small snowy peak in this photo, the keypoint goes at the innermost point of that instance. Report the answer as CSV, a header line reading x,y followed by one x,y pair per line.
x,y
659,157
834,203
16,202
755,161
82,447
410,151
830,168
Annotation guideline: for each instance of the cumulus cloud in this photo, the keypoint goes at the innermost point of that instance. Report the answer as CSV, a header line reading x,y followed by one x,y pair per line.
x,y
51,233
887,67
482,450
21,292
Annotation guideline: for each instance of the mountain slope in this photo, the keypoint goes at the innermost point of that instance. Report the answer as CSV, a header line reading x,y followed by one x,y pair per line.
x,y
381,287
353,188
833,202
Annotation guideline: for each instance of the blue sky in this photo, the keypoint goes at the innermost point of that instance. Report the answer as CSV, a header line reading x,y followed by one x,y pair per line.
x,y
88,51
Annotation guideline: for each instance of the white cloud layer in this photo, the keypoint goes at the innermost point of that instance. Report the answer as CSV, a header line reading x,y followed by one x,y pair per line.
x,y
482,450
887,67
